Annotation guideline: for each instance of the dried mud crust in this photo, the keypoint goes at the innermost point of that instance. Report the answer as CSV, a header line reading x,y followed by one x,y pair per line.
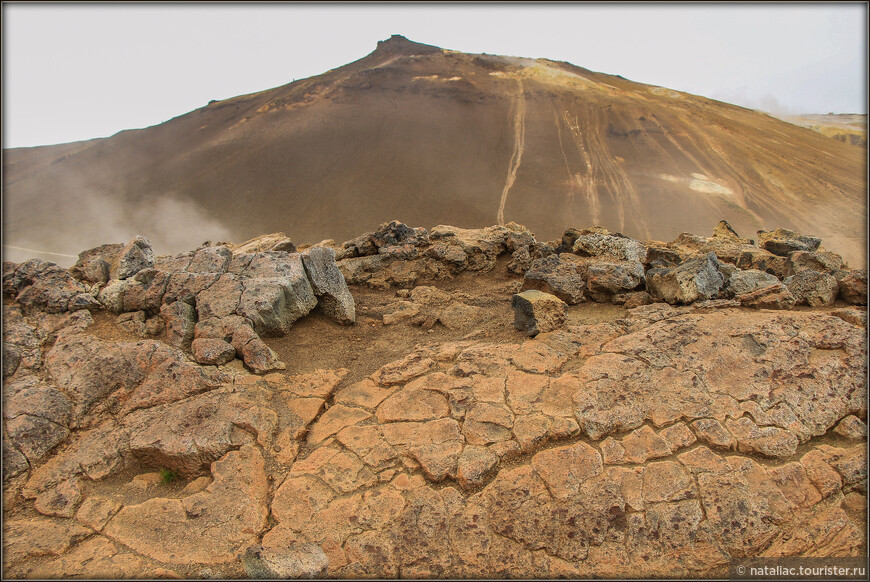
x,y
659,441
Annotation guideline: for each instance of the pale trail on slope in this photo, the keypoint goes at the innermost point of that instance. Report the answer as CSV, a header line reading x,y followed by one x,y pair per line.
x,y
519,119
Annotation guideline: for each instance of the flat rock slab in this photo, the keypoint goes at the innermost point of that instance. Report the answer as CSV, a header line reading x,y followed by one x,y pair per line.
x,y
212,526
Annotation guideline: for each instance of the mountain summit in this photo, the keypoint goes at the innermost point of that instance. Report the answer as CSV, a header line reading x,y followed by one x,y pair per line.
x,y
434,136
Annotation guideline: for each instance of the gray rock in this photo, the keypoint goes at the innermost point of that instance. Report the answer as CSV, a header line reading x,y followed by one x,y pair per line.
x,y
43,286
783,241
741,282
694,280
396,233
112,296
220,299
538,312
813,288
180,320
560,275
451,254
660,257
618,247
184,286
853,287
604,279
569,237
360,269
211,260
212,352
135,256
329,285
299,560
277,292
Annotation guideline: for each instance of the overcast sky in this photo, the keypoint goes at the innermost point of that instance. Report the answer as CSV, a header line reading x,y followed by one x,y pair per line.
x,y
73,72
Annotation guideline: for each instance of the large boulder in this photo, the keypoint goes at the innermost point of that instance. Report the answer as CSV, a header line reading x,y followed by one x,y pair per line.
x,y
537,312
560,275
276,292
741,282
813,288
696,279
329,285
144,291
482,245
783,241
221,299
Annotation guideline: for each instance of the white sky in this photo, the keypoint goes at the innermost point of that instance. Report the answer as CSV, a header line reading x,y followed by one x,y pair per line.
x,y
79,71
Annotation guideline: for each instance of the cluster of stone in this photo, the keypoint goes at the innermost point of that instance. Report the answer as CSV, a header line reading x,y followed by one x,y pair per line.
x,y
215,302
783,269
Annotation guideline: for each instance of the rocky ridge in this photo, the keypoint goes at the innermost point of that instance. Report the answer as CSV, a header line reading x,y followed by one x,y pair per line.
x,y
151,430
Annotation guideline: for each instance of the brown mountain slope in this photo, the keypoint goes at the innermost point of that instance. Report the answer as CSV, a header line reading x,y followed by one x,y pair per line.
x,y
433,136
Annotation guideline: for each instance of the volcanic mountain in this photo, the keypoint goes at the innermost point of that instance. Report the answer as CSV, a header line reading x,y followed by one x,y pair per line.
x,y
433,136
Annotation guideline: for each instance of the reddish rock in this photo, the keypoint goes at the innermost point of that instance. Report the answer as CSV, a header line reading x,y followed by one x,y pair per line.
x,y
413,405
258,357
853,287
212,352
565,469
813,288
405,369
643,444
772,297
335,419
666,481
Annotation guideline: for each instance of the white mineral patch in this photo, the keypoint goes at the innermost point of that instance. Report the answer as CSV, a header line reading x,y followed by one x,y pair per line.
x,y
709,187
